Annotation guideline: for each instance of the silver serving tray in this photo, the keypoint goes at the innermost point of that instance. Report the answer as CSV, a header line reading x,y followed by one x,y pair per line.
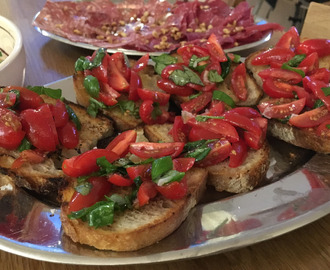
x,y
295,192
238,49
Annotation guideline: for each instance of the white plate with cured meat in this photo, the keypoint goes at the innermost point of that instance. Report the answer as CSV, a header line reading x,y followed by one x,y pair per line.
x,y
295,192
138,27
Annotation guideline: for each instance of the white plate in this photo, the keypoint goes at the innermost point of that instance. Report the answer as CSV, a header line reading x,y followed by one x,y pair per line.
x,y
295,193
237,49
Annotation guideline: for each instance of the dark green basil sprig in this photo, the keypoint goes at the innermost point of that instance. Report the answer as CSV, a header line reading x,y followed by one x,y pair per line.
x,y
185,76
198,149
162,61
293,63
84,63
219,95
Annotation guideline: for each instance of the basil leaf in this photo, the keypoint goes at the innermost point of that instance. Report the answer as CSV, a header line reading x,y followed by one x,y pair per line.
x,y
199,153
225,67
318,103
84,63
73,117
326,91
84,188
219,95
193,145
105,166
288,67
162,61
182,77
156,112
121,203
41,90
25,145
102,215
237,58
92,86
169,177
296,60
94,107
195,95
203,118
194,63
129,106
327,126
214,76
160,166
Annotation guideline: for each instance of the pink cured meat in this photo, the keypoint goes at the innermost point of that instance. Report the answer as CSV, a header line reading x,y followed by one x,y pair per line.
x,y
151,26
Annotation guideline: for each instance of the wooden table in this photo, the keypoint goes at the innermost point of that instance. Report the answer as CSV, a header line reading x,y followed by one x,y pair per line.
x,y
47,61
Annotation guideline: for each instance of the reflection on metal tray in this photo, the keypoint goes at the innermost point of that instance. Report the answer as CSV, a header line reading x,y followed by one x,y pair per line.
x,y
296,192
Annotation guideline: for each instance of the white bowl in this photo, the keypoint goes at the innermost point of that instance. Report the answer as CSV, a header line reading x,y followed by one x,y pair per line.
x,y
12,68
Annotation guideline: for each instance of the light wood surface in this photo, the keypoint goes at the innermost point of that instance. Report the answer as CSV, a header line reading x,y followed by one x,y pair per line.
x,y
47,61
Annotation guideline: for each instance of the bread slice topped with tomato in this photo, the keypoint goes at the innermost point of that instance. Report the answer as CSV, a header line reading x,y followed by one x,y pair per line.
x,y
295,78
39,130
129,195
133,93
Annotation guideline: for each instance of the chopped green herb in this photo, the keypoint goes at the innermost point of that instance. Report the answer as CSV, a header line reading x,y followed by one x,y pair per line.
x,y
84,188
94,107
199,153
195,95
18,94
156,112
129,106
225,67
318,103
288,67
170,177
326,91
84,63
237,58
92,86
194,63
41,90
160,166
106,167
214,76
73,117
25,145
162,61
296,60
203,118
219,95
182,77
327,126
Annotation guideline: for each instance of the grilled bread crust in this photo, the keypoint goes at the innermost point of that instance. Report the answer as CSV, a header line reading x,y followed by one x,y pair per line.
x,y
305,138
134,229
235,180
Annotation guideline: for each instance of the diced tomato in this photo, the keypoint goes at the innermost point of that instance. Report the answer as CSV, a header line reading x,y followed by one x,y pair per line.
x,y
310,118
324,129
108,95
280,74
174,190
197,104
279,55
141,63
321,74
117,79
316,87
310,63
40,127
155,96
237,154
119,180
238,82
119,59
134,84
289,40
100,187
7,99
27,99
215,49
148,116
242,121
120,144
85,163
216,108
60,114
186,52
11,133
100,72
146,192
217,126
278,89
253,140
30,156
279,108
183,164
170,87
156,150
68,135
220,151
142,170
320,46
246,111
167,71
180,130
200,133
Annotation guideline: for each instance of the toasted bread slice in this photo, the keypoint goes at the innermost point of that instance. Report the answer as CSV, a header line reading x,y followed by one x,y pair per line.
x,y
235,180
47,177
254,70
305,138
134,229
